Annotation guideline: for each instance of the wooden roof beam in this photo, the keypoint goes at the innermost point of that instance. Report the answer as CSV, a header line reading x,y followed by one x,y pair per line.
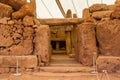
x,y
61,8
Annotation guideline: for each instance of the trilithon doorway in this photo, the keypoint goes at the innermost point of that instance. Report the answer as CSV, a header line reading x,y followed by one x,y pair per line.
x,y
61,52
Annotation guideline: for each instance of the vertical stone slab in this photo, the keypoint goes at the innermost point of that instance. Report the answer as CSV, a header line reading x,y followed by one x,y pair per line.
x,y
68,42
68,34
42,43
86,43
76,43
86,13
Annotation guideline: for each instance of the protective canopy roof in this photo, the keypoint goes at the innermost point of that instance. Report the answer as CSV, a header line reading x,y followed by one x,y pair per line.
x,y
57,8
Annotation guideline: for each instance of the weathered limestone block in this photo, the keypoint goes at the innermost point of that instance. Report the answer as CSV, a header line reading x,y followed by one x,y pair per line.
x,y
69,14
5,38
17,38
4,70
117,2
28,40
5,42
76,44
101,14
86,13
11,22
16,4
109,63
116,13
4,51
37,21
86,43
60,34
111,7
75,15
4,20
98,7
108,36
53,34
19,50
5,10
28,46
28,21
24,61
28,33
27,9
42,42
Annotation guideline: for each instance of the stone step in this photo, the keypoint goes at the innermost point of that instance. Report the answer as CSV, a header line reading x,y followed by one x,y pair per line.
x,y
65,65
51,74
54,76
66,69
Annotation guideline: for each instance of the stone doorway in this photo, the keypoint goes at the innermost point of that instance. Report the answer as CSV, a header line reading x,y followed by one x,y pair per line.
x,y
61,44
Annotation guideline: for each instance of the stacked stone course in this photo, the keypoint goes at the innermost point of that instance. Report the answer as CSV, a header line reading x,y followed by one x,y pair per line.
x,y
21,39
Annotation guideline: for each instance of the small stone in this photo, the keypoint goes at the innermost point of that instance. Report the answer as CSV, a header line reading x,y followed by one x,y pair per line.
x,y
28,21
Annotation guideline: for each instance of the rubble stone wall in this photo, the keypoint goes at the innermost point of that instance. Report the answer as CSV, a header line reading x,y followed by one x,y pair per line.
x,y
24,39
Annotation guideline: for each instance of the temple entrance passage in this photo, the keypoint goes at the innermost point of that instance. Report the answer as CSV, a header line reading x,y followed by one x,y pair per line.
x,y
62,39
61,43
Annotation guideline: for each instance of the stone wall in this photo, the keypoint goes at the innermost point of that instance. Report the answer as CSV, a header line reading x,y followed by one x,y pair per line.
x,y
24,39
103,38
16,9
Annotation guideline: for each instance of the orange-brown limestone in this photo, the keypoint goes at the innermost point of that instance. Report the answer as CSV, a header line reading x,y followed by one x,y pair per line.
x,y
42,43
4,70
5,10
16,4
24,61
109,63
86,13
26,9
116,13
16,38
98,7
108,36
86,43
101,14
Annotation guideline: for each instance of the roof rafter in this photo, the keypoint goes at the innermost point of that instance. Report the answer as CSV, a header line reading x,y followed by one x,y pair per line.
x,y
61,8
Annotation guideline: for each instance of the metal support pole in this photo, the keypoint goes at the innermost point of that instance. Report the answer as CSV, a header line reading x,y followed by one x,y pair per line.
x,y
17,67
94,63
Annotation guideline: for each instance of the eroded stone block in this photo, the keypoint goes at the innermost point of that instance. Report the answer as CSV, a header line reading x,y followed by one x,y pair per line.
x,y
109,63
